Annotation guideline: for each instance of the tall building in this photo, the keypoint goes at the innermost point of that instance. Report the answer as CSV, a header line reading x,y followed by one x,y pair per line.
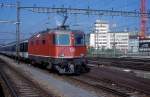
x,y
98,39
103,38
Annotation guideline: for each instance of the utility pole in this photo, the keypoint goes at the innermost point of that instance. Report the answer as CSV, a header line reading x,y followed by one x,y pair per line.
x,y
18,31
17,23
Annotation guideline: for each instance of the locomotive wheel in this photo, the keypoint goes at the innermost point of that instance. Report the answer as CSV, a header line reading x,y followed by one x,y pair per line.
x,y
27,61
81,69
57,69
43,65
85,68
77,70
49,65
33,63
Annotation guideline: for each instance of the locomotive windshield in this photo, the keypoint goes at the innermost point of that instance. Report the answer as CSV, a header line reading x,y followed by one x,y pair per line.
x,y
79,39
62,39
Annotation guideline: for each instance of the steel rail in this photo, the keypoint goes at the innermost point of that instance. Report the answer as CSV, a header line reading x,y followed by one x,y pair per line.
x,y
107,89
8,84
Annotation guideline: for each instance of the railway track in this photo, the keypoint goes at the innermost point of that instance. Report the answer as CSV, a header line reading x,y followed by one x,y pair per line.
x,y
8,84
138,64
119,59
123,80
94,83
19,85
100,86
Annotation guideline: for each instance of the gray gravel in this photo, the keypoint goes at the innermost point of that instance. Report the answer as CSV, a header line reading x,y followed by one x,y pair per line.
x,y
138,73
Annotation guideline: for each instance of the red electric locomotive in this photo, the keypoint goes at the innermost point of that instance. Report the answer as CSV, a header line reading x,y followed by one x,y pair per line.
x,y
59,49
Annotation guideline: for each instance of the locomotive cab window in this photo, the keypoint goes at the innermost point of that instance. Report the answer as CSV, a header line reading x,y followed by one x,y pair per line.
x,y
62,39
79,39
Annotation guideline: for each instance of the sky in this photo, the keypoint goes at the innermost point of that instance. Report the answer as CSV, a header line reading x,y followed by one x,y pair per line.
x,y
35,22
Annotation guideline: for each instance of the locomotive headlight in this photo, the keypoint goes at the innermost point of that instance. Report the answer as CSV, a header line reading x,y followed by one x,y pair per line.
x,y
62,55
81,55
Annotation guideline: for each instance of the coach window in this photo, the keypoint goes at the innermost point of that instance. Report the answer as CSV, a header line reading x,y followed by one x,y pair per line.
x,y
25,47
21,47
53,39
14,48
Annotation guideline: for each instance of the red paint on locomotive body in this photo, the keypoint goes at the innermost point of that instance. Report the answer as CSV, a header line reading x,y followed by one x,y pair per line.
x,y
44,45
70,51
59,50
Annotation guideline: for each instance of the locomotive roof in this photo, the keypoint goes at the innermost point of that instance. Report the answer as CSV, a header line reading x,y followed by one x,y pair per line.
x,y
60,31
57,31
66,31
